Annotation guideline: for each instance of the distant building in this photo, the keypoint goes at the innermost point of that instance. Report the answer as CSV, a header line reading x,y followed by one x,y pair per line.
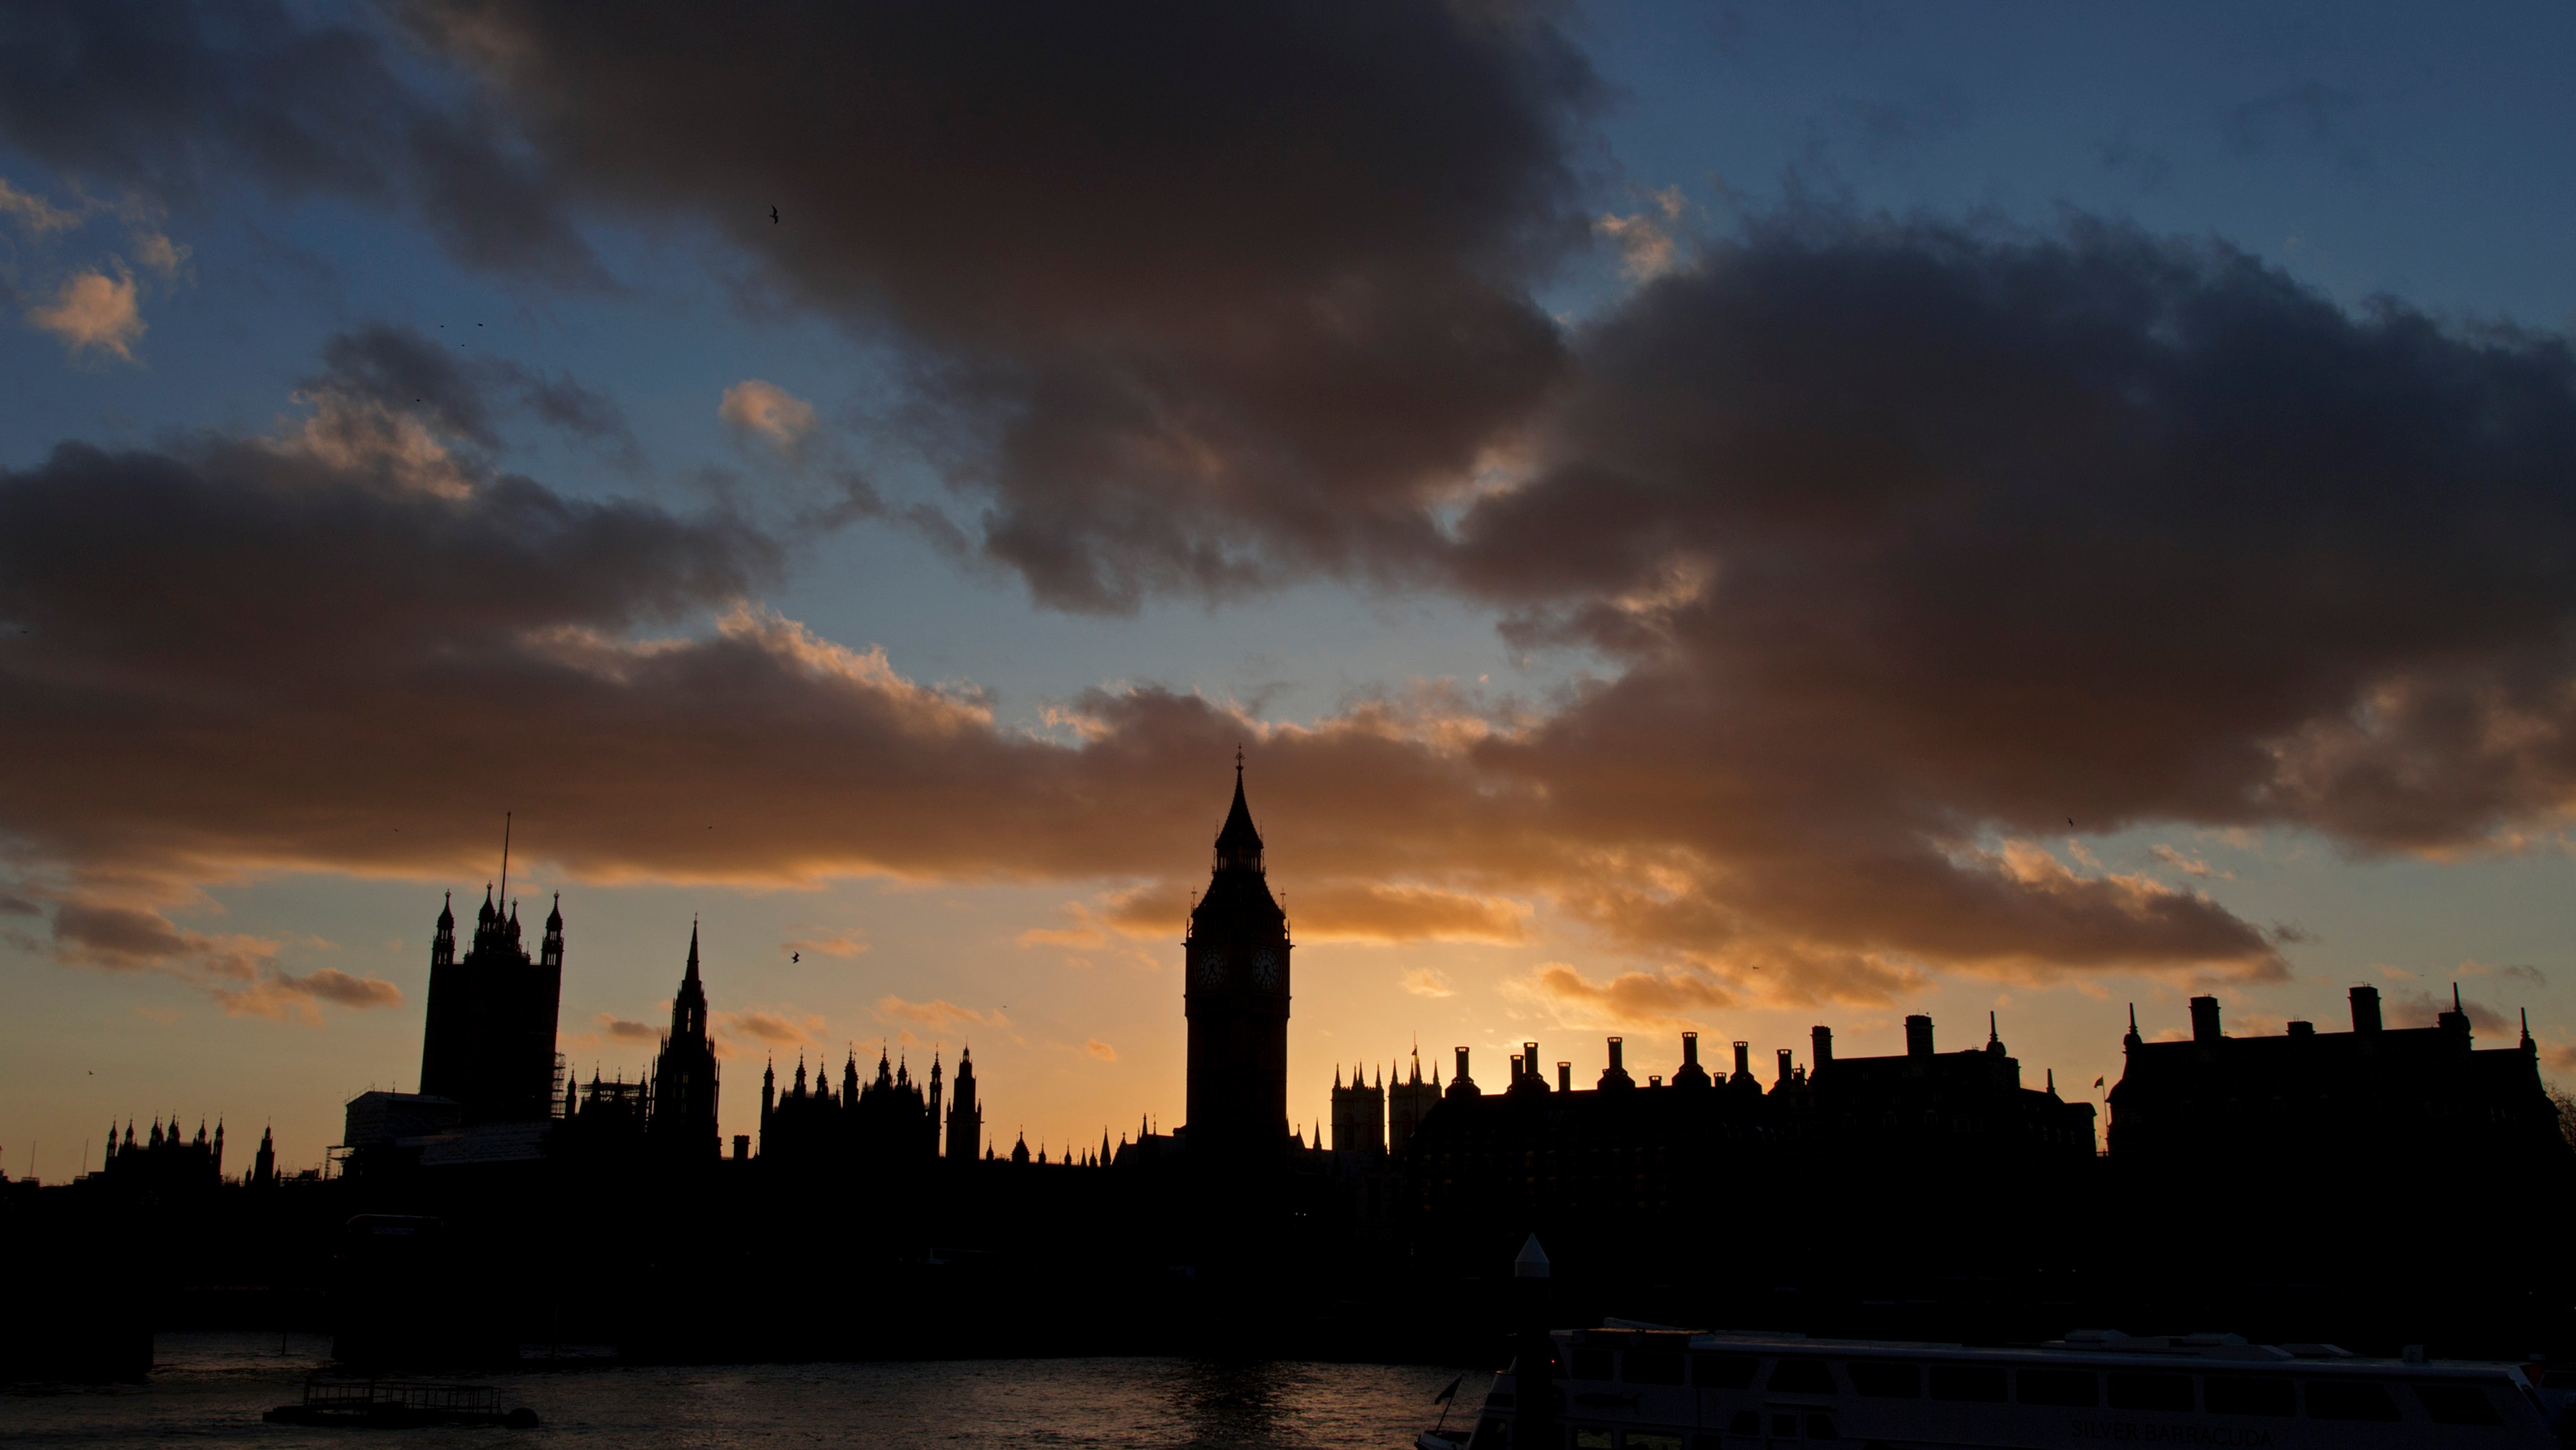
x,y
965,1114
1235,995
886,1122
489,1044
165,1161
683,1116
380,1119
2372,1095
1593,1165
1359,1115
1408,1103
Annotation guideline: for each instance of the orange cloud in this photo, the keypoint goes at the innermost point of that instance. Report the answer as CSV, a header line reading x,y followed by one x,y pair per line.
x,y
937,1013
771,1029
94,313
1369,912
1645,999
1101,1050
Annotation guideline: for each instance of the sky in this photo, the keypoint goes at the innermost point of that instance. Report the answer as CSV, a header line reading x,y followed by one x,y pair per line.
x,y
1698,517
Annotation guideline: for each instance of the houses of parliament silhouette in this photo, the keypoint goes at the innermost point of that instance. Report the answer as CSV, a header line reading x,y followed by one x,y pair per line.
x,y
1921,1192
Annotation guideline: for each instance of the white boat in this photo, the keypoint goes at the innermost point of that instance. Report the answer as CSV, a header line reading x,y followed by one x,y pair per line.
x,y
1639,1387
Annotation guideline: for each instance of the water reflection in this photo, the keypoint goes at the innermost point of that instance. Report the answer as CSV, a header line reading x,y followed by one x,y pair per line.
x,y
1231,1405
211,1389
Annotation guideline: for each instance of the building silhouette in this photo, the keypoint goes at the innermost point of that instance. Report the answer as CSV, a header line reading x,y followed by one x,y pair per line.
x,y
965,1116
683,1115
2374,1090
489,1044
888,1121
1235,994
1409,1102
1359,1115
165,1161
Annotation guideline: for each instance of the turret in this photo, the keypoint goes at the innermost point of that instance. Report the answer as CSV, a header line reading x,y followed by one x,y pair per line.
x,y
2204,1020
1918,1036
442,945
1820,1047
550,951
1462,1086
1614,1078
2457,1019
1690,1074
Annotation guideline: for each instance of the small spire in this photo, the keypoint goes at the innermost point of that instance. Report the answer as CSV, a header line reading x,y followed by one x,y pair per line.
x,y
692,974
554,918
2455,996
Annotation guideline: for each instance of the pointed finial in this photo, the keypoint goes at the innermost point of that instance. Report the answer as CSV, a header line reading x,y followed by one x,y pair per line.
x,y
1238,760
2455,996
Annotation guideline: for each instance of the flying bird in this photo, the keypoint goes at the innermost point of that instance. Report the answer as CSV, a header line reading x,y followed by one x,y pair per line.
x,y
2070,820
773,216
795,956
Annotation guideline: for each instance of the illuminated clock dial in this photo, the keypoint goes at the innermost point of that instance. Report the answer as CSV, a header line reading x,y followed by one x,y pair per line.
x,y
1211,967
1265,967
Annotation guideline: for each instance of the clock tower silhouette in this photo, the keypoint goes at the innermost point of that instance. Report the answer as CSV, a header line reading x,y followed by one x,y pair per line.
x,y
1236,998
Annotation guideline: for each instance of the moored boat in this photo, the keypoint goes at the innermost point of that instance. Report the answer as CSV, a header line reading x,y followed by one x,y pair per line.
x,y
1639,1387
398,1404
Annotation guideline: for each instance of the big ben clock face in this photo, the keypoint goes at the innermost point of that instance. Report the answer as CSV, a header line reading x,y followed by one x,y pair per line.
x,y
1265,967
1211,967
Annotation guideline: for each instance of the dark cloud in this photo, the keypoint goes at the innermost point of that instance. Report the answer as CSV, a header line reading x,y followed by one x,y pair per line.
x,y
175,100
340,649
402,369
1239,290
1912,535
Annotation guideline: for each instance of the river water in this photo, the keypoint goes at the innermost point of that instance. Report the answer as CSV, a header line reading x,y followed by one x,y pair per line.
x,y
210,1389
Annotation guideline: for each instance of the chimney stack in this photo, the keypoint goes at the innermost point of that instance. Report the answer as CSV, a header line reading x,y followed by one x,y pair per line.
x,y
2204,1019
1690,1049
1821,1050
1565,1077
1784,1067
1617,1050
2365,1009
1918,1036
1529,1059
1744,1059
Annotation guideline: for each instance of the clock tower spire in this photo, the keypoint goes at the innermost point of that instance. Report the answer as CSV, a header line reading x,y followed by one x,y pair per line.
x,y
1236,998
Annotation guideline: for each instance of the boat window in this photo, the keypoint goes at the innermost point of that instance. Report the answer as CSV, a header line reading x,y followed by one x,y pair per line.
x,y
1650,1367
2558,1379
2150,1391
1886,1379
1654,1440
1746,1422
1820,1426
2073,1387
1784,1427
1968,1382
2245,1394
1724,1372
1494,1433
2458,1405
2350,1400
1595,1437
1590,1364
1802,1377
